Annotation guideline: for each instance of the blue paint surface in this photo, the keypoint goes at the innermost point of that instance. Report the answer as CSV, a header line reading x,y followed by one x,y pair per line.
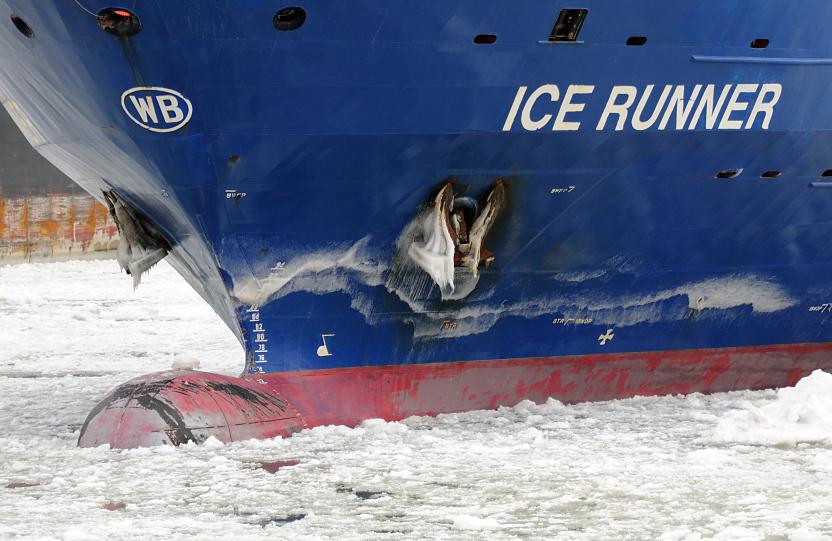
x,y
309,152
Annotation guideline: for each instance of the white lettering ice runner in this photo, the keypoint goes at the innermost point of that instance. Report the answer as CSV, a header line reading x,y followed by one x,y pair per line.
x,y
674,107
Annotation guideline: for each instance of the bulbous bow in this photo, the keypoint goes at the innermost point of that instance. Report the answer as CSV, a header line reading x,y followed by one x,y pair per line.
x,y
180,406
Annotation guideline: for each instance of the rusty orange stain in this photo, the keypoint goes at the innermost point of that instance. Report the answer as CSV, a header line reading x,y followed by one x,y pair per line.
x,y
49,229
91,224
24,218
54,224
71,215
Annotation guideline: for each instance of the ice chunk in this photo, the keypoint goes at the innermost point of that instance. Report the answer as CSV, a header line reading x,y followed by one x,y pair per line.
x,y
468,522
212,443
680,534
802,413
184,362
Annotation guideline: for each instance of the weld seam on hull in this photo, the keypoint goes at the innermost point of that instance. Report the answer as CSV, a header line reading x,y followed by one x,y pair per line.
x,y
761,60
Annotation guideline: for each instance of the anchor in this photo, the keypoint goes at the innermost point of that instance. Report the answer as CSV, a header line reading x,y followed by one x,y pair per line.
x,y
453,232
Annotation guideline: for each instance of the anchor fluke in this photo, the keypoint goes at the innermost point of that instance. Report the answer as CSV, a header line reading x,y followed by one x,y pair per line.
x,y
474,254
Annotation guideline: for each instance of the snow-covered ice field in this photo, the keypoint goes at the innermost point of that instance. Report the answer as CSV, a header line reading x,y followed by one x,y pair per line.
x,y
747,465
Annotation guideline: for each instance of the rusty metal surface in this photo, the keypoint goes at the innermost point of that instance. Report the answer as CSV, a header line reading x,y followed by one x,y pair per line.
x,y
57,226
43,214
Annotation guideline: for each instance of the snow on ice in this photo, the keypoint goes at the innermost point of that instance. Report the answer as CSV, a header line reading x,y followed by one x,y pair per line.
x,y
746,465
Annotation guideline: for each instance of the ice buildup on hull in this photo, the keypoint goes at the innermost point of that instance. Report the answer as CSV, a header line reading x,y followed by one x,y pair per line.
x,y
142,244
443,243
434,252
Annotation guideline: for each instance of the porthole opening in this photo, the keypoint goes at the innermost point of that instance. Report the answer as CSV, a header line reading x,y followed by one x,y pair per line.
x,y
288,19
233,159
485,39
827,173
636,40
770,174
22,27
119,22
729,173
759,43
568,26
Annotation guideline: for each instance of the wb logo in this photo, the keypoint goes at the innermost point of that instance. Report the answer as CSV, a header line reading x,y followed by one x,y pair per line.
x,y
156,109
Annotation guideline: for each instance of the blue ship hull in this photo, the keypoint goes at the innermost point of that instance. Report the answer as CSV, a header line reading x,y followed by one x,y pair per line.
x,y
292,171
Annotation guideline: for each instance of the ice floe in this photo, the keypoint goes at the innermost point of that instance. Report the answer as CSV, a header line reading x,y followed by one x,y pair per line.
x,y
674,468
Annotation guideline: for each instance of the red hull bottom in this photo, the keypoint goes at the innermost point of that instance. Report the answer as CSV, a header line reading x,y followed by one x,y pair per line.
x,y
180,406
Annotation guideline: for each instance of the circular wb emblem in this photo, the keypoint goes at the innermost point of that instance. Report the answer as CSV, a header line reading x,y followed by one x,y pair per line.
x,y
157,109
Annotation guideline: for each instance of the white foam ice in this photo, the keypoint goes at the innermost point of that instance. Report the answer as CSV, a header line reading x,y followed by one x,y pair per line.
x,y
799,414
468,522
644,468
84,317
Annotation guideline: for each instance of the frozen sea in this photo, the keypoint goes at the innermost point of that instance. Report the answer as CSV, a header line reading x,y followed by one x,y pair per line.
x,y
744,465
